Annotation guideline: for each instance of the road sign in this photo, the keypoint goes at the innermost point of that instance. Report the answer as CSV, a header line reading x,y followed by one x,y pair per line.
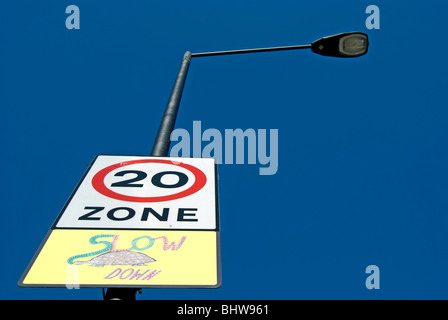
x,y
135,222
125,258
144,193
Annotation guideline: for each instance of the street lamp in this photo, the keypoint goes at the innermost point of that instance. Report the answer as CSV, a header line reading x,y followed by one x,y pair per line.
x,y
343,45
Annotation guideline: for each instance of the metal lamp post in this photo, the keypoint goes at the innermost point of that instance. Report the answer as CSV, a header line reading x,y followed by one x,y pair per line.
x,y
343,45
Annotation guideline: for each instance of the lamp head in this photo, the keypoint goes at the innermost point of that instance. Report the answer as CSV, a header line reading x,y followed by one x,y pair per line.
x,y
343,45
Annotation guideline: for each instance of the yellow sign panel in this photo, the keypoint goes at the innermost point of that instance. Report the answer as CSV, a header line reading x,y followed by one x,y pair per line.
x,y
126,258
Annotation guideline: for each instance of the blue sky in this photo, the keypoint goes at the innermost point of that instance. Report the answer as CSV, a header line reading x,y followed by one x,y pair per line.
x,y
362,142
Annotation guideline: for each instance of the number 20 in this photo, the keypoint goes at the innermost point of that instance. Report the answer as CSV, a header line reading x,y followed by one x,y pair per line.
x,y
156,180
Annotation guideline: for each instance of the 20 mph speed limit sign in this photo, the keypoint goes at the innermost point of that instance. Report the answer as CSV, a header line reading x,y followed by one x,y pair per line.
x,y
144,193
132,221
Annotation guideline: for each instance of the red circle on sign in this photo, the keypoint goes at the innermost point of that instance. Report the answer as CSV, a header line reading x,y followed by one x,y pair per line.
x,y
98,182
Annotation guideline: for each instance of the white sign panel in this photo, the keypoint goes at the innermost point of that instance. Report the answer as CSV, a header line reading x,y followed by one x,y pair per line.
x,y
130,192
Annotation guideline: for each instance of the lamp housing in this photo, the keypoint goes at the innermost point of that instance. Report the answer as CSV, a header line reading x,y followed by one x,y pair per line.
x,y
343,45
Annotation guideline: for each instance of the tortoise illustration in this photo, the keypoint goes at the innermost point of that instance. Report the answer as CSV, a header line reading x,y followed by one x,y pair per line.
x,y
111,256
119,257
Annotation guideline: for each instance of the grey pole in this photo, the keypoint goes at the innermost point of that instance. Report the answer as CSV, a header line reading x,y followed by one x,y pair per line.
x,y
162,142
160,149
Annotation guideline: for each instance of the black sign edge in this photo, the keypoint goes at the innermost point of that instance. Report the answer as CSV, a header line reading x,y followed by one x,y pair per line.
x,y
54,225
33,259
